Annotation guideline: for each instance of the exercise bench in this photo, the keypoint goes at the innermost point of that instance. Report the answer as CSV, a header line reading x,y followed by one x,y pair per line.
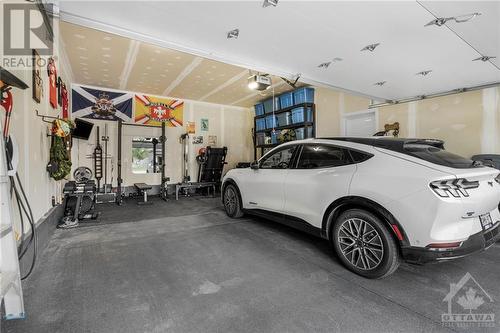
x,y
143,189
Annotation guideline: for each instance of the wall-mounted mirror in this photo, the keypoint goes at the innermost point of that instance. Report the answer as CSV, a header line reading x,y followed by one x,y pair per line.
x,y
146,155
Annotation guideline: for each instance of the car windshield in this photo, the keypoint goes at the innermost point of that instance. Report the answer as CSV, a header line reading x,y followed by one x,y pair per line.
x,y
440,156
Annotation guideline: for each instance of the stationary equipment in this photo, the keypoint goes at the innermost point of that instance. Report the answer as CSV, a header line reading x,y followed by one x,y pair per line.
x,y
211,162
79,198
143,189
98,160
164,179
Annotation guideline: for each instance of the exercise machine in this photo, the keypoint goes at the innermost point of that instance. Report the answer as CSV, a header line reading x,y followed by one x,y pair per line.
x,y
211,163
164,179
79,199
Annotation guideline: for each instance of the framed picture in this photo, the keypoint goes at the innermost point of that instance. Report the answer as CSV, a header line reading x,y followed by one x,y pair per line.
x,y
37,85
204,124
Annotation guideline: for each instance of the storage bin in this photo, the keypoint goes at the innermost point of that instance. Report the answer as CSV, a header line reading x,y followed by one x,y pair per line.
x,y
286,100
300,115
303,133
260,139
268,105
303,95
271,121
259,109
260,124
284,118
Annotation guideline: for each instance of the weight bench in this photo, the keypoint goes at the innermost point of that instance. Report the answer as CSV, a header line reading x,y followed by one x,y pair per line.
x,y
143,188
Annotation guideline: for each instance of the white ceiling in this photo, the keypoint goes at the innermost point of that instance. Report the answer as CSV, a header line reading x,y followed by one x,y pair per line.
x,y
296,36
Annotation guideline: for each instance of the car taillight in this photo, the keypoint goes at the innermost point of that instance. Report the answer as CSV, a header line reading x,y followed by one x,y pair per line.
x,y
455,187
443,246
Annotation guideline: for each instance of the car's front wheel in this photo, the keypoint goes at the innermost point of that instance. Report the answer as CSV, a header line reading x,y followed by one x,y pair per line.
x,y
364,244
232,201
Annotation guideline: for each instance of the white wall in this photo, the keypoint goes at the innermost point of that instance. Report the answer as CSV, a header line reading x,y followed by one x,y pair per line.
x,y
231,125
30,133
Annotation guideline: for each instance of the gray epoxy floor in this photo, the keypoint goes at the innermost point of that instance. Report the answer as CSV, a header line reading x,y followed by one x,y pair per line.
x,y
185,267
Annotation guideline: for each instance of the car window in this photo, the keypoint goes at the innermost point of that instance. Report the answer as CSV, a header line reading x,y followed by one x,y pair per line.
x,y
322,156
278,160
358,156
439,156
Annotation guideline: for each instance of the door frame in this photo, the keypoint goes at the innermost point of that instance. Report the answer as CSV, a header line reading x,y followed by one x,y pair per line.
x,y
349,115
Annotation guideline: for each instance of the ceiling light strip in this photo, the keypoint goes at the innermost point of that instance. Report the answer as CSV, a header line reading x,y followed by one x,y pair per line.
x,y
441,94
456,34
189,68
130,59
225,84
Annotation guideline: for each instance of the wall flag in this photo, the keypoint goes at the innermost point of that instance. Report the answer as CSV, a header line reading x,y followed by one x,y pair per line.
x,y
151,110
100,104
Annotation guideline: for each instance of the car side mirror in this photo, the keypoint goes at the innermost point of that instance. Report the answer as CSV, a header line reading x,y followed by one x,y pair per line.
x,y
254,165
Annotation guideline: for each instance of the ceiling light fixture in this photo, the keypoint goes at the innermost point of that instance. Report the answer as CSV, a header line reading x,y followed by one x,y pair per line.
x,y
484,58
370,47
325,65
439,21
268,3
424,73
233,34
259,82
380,83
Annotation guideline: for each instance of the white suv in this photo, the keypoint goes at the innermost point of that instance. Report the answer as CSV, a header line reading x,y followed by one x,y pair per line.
x,y
376,199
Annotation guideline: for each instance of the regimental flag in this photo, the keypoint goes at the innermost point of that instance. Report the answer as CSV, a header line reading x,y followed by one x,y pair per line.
x,y
154,111
101,104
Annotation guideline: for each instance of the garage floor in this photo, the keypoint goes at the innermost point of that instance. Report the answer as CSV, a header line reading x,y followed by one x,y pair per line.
x,y
186,267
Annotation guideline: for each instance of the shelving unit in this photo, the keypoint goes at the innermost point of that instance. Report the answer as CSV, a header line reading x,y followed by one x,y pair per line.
x,y
306,125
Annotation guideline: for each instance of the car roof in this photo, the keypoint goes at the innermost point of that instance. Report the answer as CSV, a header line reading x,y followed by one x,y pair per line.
x,y
390,143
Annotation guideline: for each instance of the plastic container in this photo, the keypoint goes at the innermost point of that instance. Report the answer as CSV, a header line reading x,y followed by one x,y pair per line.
x,y
260,139
303,133
284,118
271,121
303,95
259,109
286,100
260,124
268,105
301,114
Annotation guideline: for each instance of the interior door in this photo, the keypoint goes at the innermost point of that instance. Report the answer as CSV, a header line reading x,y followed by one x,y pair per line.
x,y
322,175
264,188
360,125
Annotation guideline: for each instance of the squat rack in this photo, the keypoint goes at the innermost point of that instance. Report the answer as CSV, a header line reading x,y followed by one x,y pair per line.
x,y
163,140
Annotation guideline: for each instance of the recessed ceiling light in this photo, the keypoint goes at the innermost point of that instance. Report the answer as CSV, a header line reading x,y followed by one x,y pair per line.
x,y
83,57
106,55
79,36
424,73
484,58
107,38
370,47
105,70
325,65
105,48
380,83
439,21
268,3
83,64
81,48
235,33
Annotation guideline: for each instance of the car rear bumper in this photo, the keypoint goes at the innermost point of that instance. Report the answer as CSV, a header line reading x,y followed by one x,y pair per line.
x,y
475,243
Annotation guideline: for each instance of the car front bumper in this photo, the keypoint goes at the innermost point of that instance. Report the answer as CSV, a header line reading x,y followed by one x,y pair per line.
x,y
475,243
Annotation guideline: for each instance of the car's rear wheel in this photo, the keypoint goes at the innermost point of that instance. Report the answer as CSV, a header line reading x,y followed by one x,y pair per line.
x,y
364,245
232,201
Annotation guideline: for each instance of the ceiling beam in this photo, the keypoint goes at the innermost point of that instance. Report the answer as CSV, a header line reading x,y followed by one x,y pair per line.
x,y
225,84
133,51
189,68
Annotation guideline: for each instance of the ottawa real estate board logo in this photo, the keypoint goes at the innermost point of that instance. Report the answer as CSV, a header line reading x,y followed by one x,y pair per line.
x,y
469,305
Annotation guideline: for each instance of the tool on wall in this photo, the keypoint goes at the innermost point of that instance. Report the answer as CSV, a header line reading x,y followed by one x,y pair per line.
x,y
184,140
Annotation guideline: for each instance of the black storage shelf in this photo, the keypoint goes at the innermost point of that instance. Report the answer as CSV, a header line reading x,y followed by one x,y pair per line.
x,y
291,126
297,125
285,110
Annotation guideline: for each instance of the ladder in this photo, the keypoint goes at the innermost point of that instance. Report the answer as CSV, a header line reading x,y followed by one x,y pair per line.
x,y
10,277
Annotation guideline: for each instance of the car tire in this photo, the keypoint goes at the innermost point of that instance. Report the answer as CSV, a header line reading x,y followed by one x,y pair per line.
x,y
364,244
231,200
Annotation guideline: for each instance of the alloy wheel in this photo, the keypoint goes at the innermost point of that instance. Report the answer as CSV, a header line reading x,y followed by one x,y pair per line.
x,y
360,243
230,200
